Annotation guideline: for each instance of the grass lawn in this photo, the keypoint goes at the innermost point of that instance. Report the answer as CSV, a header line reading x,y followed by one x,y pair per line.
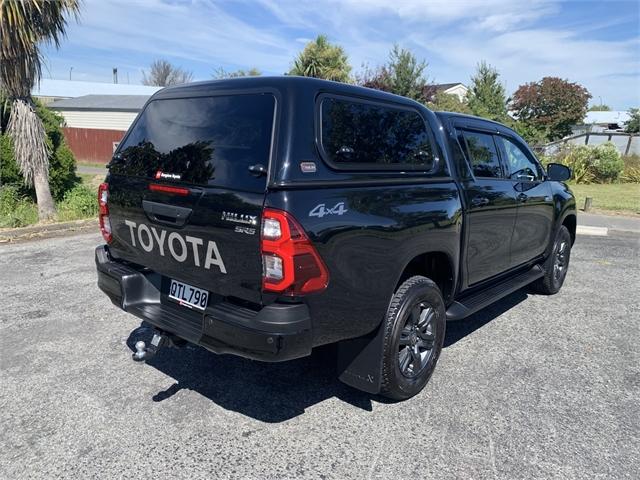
x,y
90,164
17,211
90,180
621,197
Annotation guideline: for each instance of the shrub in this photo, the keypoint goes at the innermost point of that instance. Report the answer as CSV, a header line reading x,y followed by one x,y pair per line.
x,y
607,162
62,172
579,159
631,171
62,164
15,209
9,173
600,164
79,202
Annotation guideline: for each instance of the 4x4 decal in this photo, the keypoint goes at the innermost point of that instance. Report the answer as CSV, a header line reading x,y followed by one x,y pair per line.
x,y
321,210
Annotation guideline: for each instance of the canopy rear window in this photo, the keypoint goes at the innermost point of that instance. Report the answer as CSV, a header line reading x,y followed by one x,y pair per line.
x,y
204,140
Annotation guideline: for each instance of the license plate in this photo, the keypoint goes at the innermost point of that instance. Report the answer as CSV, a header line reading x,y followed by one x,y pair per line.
x,y
188,296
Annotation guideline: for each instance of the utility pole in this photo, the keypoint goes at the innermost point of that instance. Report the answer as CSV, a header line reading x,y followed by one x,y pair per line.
x,y
70,70
115,74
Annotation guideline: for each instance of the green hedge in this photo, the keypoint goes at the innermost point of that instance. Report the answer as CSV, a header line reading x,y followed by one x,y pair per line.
x,y
590,164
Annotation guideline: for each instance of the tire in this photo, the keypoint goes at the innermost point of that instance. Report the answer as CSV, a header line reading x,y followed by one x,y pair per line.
x,y
556,266
413,337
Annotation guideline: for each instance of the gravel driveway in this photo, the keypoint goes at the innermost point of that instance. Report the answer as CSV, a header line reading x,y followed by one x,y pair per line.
x,y
533,387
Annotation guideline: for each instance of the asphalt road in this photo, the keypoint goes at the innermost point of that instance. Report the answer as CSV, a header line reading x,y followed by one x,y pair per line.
x,y
533,387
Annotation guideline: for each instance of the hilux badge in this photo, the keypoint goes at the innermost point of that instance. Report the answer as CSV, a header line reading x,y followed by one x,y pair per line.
x,y
240,218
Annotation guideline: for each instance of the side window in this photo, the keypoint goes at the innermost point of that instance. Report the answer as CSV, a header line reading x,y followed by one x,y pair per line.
x,y
483,155
521,167
462,166
365,135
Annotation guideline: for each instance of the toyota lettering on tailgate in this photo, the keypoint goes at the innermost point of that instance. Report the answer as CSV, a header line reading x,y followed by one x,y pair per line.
x,y
150,238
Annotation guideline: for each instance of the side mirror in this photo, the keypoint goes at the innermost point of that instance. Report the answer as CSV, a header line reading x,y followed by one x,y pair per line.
x,y
558,172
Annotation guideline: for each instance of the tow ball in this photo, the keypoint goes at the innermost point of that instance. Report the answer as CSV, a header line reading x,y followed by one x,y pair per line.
x,y
144,353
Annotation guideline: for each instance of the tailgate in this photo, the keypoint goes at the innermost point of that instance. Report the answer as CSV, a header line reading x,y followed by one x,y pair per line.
x,y
182,199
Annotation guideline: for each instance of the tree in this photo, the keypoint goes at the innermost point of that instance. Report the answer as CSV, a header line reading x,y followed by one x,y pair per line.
x,y
600,108
633,125
164,74
532,135
406,73
221,73
24,26
377,78
486,97
446,102
552,105
403,75
321,59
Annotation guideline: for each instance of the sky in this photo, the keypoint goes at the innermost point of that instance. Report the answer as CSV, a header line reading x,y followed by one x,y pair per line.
x,y
594,43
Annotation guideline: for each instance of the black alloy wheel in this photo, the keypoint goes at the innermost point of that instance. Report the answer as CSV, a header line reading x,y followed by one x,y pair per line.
x,y
417,340
414,330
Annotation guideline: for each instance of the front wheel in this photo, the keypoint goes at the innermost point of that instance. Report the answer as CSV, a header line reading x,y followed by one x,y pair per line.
x,y
414,334
556,266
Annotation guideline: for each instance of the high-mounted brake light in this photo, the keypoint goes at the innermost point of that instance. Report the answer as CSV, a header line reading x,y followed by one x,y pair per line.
x,y
291,264
103,212
155,187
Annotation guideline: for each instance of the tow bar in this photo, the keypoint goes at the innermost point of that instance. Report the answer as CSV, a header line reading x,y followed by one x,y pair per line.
x,y
144,353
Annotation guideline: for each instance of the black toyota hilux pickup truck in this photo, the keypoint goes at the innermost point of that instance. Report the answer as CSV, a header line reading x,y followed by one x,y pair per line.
x,y
264,217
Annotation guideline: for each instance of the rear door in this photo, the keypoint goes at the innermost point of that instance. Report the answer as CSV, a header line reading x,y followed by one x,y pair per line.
x,y
490,207
182,199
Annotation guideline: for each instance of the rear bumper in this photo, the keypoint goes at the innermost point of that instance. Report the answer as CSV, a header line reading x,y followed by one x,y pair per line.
x,y
276,333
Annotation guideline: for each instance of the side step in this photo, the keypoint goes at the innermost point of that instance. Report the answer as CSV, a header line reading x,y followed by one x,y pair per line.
x,y
468,305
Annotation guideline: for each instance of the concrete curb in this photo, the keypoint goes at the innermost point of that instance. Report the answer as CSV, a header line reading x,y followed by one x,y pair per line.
x,y
595,231
48,230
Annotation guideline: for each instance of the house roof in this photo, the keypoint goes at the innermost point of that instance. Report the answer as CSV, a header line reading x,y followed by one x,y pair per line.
x,y
447,86
121,103
429,91
606,118
72,89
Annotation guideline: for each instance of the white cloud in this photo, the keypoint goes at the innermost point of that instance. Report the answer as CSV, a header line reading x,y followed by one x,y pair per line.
x,y
524,39
609,69
195,31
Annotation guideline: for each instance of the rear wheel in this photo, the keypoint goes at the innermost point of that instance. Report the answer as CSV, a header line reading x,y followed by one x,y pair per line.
x,y
556,266
414,334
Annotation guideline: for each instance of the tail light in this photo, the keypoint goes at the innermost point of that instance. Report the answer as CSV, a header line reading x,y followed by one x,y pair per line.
x,y
103,211
291,264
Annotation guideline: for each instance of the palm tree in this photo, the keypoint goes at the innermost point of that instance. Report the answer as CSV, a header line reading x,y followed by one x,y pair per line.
x,y
322,59
24,25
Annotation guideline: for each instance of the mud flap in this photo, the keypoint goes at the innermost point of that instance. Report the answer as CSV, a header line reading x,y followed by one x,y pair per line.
x,y
360,361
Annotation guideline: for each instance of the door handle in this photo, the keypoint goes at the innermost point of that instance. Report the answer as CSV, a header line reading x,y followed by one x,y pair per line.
x,y
522,197
479,201
167,214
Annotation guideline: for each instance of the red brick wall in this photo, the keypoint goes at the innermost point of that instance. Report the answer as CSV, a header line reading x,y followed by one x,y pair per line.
x,y
91,144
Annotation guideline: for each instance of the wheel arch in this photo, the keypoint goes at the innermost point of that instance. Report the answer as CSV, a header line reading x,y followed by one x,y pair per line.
x,y
571,222
435,265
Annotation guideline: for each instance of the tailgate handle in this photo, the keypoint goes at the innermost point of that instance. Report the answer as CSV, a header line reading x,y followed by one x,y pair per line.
x,y
166,214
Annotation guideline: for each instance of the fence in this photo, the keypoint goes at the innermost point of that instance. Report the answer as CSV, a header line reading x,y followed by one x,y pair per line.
x,y
626,143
